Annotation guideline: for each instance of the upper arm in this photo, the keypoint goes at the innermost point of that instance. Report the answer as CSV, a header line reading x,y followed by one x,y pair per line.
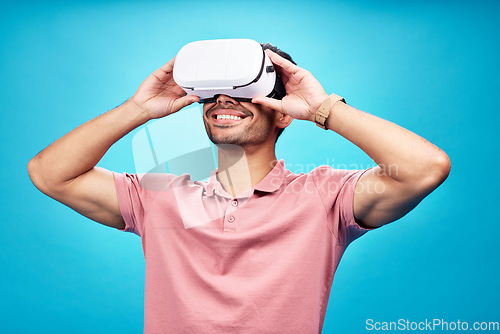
x,y
92,194
380,199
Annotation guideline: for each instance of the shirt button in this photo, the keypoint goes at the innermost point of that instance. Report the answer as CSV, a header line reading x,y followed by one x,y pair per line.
x,y
230,219
234,203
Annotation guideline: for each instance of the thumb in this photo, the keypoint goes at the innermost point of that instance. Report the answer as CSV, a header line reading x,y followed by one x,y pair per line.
x,y
184,102
268,102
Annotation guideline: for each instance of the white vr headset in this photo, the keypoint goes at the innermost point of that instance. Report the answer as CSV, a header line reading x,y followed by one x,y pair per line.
x,y
238,68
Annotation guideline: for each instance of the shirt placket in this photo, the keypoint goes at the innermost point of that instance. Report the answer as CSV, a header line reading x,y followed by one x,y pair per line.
x,y
231,218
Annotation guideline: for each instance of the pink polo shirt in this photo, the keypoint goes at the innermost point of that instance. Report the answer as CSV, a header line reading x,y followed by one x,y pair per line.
x,y
259,263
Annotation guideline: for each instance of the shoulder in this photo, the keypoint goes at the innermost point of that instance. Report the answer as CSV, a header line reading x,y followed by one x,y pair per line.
x,y
153,181
324,173
329,180
322,179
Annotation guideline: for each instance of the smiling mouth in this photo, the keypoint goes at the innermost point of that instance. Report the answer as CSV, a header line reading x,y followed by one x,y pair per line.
x,y
228,117
224,120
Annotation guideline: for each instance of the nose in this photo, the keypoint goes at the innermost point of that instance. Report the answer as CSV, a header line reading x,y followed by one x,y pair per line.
x,y
226,99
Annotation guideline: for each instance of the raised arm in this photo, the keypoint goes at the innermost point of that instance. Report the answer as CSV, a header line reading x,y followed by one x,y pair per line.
x,y
66,171
409,167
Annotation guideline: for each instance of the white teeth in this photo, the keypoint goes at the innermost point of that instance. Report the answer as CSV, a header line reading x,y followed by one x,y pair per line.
x,y
231,117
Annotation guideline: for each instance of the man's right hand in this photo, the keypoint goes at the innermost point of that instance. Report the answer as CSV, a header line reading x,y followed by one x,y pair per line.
x,y
159,95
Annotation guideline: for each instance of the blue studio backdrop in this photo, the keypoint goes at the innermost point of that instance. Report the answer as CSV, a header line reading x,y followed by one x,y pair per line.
x,y
429,66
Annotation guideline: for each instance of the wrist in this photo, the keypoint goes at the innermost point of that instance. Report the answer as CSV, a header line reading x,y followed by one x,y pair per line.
x,y
323,113
315,106
136,112
337,116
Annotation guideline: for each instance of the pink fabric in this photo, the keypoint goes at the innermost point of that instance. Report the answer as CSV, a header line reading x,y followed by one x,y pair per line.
x,y
261,263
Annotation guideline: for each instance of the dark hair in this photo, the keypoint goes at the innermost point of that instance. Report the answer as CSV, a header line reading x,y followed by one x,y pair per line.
x,y
269,46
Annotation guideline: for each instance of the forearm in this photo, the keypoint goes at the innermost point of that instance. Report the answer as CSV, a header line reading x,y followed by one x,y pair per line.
x,y
400,153
81,149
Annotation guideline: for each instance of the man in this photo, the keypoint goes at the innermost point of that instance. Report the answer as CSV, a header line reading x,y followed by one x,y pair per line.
x,y
254,249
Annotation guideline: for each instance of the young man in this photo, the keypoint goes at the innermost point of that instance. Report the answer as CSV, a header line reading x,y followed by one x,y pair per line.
x,y
254,249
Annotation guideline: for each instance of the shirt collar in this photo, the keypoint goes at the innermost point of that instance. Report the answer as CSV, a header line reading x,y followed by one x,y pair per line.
x,y
274,179
270,183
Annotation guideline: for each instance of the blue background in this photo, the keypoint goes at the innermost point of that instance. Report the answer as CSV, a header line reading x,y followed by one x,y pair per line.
x,y
429,66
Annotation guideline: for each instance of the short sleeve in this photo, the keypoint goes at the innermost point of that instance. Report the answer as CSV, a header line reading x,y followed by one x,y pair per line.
x,y
336,189
128,189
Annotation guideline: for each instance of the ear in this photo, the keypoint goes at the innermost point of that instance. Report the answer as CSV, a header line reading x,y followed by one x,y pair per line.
x,y
282,120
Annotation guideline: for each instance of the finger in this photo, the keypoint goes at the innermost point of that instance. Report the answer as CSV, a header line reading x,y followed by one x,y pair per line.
x,y
268,102
184,102
285,65
169,66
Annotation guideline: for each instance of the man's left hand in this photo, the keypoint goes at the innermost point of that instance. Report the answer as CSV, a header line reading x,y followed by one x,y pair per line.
x,y
304,93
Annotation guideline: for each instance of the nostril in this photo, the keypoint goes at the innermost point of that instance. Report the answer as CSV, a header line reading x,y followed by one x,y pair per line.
x,y
226,99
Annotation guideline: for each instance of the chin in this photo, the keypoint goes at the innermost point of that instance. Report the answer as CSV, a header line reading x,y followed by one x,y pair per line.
x,y
230,139
243,136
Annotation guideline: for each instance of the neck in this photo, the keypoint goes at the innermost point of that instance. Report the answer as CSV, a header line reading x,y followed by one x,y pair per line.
x,y
240,169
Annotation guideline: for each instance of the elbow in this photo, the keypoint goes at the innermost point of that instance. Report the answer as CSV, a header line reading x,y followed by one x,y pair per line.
x,y
36,175
430,174
33,169
439,169
44,178
443,165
